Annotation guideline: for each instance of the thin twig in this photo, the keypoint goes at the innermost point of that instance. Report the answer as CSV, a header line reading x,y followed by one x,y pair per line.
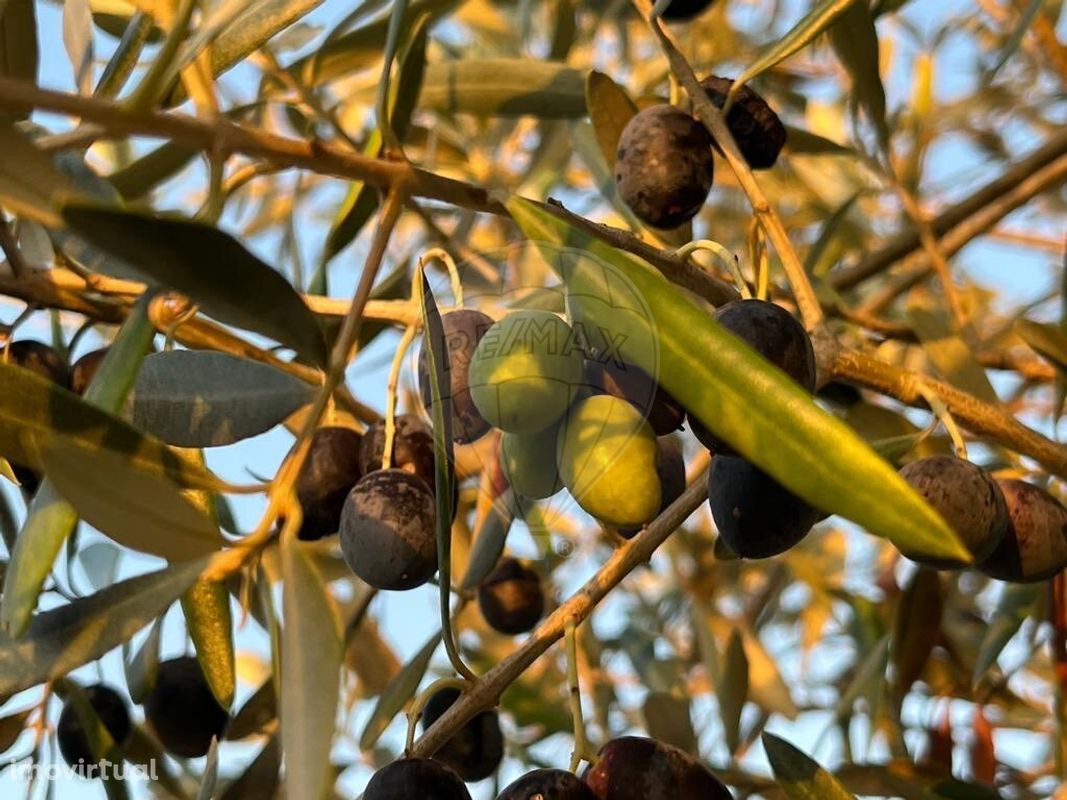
x,y
485,692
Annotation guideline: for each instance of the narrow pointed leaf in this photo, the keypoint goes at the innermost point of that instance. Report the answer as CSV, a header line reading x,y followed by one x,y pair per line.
x,y
209,621
945,347
37,408
62,639
30,184
1047,340
1017,603
311,668
610,109
916,628
799,776
211,773
396,695
137,507
211,267
200,398
19,50
855,41
732,690
810,27
504,88
142,668
257,712
489,541
739,396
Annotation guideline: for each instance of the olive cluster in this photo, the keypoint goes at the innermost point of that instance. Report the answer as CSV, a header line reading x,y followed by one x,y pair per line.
x,y
664,168
628,768
180,708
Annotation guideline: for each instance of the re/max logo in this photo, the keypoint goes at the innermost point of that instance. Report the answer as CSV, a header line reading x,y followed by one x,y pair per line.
x,y
548,337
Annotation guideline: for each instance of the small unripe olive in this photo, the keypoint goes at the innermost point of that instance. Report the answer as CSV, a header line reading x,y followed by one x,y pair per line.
x,y
182,709
511,598
528,461
387,530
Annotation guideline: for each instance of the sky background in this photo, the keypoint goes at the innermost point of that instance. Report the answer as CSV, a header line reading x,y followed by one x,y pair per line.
x,y
408,619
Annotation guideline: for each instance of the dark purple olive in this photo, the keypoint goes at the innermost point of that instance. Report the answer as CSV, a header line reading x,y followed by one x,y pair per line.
x,y
328,475
110,708
511,598
463,329
1035,546
635,768
416,779
475,750
182,709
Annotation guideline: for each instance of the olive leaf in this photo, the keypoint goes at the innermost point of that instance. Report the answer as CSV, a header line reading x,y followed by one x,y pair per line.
x,y
396,695
62,639
610,108
311,665
799,776
188,256
209,620
201,398
505,88
945,347
737,394
855,41
1017,603
489,541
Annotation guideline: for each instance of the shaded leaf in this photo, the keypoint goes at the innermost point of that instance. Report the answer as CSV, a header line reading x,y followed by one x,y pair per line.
x,y
30,184
311,663
667,719
141,670
100,560
798,775
1017,602
807,29
11,727
916,628
855,41
397,693
62,639
944,346
504,88
260,779
737,394
19,55
136,180
211,773
489,541
78,39
201,398
137,507
804,142
257,712
732,690
610,109
1048,340
212,268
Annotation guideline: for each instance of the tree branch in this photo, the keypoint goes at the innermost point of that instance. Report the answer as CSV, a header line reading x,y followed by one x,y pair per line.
x,y
995,193
485,692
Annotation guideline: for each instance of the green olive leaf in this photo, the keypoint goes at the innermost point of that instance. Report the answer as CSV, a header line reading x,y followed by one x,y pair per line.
x,y
799,776
1017,603
211,267
855,41
943,345
209,620
504,88
396,695
740,397
62,639
311,667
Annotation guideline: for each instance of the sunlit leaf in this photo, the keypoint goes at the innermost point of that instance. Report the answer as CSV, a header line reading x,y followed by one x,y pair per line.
x,y
208,618
610,108
946,348
504,88
311,665
19,46
737,395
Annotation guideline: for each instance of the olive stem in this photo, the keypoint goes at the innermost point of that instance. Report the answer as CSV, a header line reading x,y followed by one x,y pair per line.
x,y
419,703
728,259
440,254
575,694
390,395
942,413
715,122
